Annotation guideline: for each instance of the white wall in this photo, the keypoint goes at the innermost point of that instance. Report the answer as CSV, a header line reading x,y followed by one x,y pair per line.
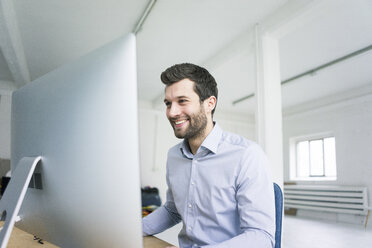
x,y
156,137
351,123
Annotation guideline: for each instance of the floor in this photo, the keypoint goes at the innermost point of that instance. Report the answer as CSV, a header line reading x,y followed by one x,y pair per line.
x,y
307,233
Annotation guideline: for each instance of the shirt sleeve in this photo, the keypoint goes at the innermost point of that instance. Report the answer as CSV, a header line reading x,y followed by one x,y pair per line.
x,y
255,202
162,218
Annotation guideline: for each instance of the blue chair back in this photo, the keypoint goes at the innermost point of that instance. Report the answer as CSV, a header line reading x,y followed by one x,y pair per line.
x,y
278,214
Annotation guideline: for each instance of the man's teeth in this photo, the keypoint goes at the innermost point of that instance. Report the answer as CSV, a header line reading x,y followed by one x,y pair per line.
x,y
180,122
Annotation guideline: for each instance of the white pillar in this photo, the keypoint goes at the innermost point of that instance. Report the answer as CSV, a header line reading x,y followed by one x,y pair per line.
x,y
269,102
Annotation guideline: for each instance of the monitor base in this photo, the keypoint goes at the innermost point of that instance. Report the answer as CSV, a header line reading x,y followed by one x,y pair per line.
x,y
12,199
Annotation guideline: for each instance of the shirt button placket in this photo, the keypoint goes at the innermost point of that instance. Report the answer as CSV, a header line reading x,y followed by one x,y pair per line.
x,y
191,197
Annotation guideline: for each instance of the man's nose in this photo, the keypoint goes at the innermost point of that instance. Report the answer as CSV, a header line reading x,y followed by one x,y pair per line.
x,y
174,110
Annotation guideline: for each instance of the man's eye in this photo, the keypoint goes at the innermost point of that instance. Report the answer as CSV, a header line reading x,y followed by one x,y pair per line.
x,y
182,101
167,104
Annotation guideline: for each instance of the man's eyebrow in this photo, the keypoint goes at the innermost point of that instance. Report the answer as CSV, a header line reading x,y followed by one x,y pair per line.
x,y
178,97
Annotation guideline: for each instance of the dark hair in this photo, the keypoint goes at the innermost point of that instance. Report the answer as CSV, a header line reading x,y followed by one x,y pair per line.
x,y
204,83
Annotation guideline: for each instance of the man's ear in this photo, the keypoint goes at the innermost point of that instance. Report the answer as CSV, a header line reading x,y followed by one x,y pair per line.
x,y
210,103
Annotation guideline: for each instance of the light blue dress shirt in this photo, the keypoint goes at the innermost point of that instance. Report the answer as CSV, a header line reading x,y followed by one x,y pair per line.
x,y
223,194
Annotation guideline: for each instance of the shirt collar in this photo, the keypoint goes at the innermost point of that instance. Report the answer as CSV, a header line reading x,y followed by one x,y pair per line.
x,y
185,150
210,142
213,139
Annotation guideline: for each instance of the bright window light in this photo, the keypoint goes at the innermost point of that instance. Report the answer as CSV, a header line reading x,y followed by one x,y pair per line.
x,y
315,158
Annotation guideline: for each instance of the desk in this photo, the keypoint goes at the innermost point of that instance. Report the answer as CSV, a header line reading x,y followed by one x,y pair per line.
x,y
21,239
154,242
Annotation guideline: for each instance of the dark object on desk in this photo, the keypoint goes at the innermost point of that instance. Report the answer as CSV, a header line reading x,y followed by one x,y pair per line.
x,y
150,196
4,183
278,214
39,240
150,200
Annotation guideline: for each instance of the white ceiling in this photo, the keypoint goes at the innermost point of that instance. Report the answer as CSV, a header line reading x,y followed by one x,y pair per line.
x,y
342,28
192,31
55,32
49,33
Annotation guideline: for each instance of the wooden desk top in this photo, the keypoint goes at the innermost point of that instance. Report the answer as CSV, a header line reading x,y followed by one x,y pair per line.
x,y
22,239
154,242
19,239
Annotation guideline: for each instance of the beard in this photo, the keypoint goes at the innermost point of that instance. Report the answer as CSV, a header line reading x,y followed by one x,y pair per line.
x,y
196,126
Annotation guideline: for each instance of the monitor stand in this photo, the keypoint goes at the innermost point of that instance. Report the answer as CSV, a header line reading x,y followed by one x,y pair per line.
x,y
14,194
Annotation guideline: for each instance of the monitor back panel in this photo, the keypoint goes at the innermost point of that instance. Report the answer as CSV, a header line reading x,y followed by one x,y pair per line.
x,y
82,120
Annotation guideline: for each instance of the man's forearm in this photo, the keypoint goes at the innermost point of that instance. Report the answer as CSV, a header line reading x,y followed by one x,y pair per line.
x,y
158,221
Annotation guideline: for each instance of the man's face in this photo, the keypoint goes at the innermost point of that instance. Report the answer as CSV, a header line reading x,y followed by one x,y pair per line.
x,y
184,111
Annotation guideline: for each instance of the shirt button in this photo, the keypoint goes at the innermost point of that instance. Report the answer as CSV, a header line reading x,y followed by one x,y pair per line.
x,y
190,205
192,183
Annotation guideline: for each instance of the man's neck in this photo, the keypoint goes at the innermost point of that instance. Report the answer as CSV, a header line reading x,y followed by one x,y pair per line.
x,y
195,142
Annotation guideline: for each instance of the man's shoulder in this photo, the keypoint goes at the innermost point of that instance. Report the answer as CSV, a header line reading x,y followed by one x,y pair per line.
x,y
237,140
176,148
250,153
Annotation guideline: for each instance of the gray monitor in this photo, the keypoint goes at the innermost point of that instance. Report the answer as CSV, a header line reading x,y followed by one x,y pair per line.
x,y
82,120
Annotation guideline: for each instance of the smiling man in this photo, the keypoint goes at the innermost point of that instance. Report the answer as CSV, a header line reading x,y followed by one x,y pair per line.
x,y
218,182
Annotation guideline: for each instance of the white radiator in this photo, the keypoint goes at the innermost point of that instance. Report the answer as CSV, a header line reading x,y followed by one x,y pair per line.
x,y
340,199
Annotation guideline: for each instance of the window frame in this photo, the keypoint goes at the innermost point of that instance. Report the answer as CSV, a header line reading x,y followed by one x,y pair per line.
x,y
293,165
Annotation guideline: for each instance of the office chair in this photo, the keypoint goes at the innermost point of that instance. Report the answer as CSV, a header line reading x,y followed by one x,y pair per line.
x,y
278,214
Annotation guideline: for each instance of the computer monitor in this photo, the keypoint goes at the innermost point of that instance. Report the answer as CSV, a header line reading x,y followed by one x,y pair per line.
x,y
82,120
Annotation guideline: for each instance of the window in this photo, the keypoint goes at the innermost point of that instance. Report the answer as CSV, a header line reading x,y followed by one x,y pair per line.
x,y
313,158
